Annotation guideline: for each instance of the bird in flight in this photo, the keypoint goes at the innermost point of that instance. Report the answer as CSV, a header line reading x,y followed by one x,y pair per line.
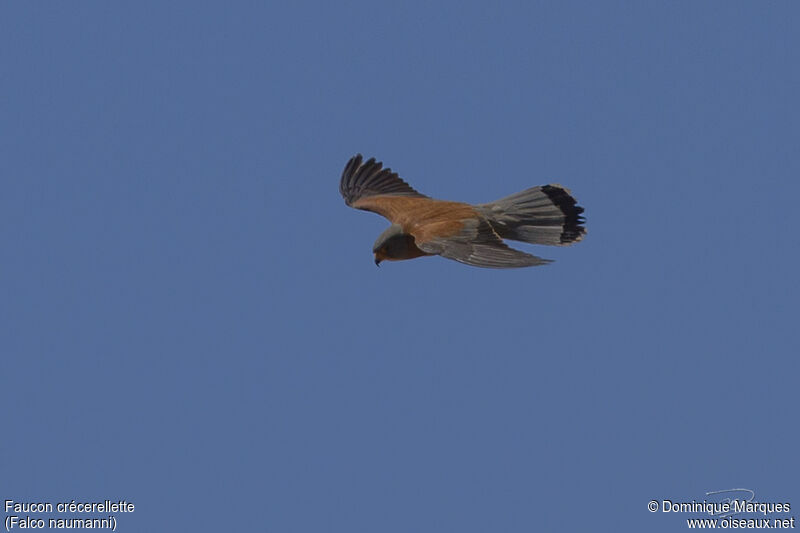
x,y
471,234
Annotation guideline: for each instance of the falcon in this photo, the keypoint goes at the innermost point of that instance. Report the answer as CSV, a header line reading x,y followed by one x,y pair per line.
x,y
470,234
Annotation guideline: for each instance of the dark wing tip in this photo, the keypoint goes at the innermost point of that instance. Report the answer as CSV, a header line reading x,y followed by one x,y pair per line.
x,y
368,178
573,229
348,173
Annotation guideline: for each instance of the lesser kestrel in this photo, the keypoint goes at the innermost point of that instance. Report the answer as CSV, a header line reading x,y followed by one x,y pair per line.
x,y
471,234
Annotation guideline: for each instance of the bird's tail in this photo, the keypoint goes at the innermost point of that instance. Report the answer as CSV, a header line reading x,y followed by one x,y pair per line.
x,y
540,215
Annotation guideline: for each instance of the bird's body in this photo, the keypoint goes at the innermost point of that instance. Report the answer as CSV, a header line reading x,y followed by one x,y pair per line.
x,y
471,234
420,216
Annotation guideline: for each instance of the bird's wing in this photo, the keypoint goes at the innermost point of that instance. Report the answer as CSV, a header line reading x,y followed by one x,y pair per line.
x,y
362,180
475,244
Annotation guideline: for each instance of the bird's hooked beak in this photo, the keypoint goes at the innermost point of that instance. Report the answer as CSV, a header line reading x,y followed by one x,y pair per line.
x,y
379,256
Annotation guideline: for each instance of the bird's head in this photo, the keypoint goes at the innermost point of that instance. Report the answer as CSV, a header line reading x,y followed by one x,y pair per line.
x,y
380,255
390,245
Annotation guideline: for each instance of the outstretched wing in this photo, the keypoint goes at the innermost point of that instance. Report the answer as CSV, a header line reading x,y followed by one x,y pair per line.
x,y
540,215
363,180
476,244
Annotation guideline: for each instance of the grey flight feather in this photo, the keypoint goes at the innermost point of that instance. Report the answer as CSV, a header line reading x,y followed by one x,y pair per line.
x,y
478,245
540,215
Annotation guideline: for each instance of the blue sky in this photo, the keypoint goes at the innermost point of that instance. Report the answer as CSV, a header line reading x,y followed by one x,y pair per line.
x,y
191,319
